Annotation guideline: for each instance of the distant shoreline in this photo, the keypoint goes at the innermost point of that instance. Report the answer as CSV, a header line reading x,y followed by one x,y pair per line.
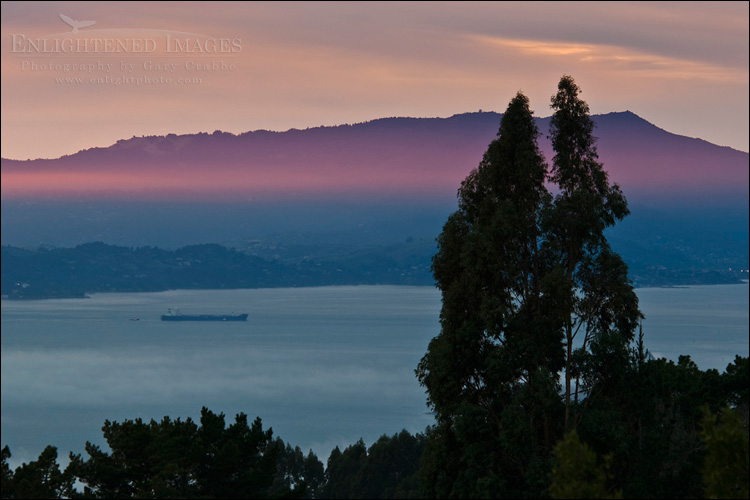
x,y
50,297
88,294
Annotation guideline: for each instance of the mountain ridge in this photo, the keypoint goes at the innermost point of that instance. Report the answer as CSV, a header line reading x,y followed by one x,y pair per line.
x,y
387,156
492,116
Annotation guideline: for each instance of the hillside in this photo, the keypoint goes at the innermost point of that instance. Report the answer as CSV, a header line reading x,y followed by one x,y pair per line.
x,y
422,157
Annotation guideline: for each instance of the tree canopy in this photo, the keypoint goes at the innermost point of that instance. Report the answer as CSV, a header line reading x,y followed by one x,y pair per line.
x,y
531,290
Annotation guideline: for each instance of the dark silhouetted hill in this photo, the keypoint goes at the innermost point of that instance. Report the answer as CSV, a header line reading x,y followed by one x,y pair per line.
x,y
420,157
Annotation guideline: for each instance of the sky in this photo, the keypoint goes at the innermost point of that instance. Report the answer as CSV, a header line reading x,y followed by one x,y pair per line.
x,y
154,68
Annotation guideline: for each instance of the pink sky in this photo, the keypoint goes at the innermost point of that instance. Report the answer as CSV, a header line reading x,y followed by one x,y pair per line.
x,y
681,65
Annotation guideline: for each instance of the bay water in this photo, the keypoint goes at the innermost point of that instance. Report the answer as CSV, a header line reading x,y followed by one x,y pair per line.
x,y
323,367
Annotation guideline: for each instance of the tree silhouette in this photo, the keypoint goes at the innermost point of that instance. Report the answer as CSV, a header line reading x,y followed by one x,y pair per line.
x,y
494,365
599,295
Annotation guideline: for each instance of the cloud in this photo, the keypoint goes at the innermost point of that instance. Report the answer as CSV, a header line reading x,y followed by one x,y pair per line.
x,y
619,61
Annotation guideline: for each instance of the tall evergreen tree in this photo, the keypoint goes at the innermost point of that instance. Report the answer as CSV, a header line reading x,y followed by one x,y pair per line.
x,y
487,267
599,296
530,288
500,346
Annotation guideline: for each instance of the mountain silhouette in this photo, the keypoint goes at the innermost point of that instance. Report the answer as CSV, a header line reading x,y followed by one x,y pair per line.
x,y
389,156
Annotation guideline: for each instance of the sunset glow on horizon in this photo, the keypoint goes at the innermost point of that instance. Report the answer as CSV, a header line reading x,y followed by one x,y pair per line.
x,y
238,67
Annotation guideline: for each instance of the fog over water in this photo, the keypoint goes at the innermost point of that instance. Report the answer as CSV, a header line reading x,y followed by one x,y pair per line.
x,y
323,367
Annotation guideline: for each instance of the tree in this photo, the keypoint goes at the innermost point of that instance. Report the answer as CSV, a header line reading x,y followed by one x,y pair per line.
x,y
648,417
500,345
735,381
598,294
146,460
530,288
342,471
6,486
314,474
390,468
577,473
488,271
41,478
725,473
178,459
297,475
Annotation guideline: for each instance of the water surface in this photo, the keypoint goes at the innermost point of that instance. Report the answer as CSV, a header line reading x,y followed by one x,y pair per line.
x,y
323,367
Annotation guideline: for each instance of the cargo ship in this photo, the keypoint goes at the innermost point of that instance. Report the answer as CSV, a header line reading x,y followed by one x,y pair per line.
x,y
176,315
